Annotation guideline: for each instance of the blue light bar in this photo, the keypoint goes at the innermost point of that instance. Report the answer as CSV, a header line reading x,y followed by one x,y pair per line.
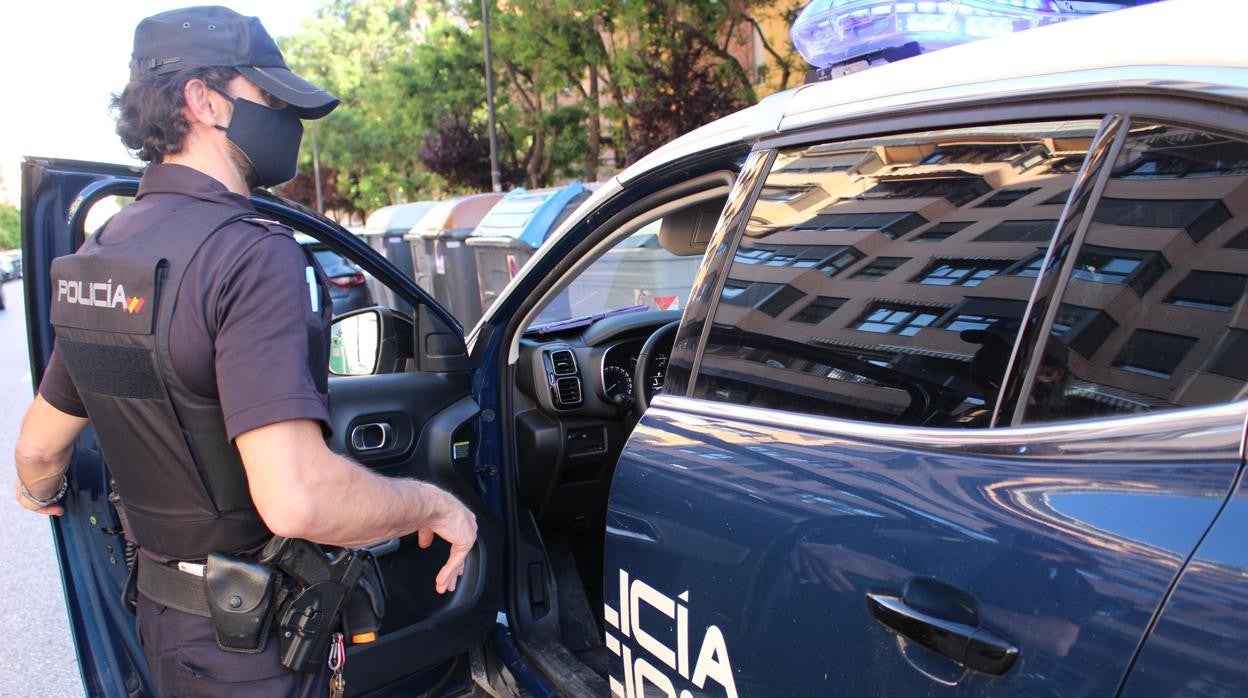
x,y
831,33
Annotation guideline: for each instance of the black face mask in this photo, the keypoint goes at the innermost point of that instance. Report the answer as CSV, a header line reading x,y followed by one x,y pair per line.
x,y
269,138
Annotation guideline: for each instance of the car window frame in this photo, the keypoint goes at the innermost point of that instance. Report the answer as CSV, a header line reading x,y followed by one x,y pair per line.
x,y
1214,120
1205,110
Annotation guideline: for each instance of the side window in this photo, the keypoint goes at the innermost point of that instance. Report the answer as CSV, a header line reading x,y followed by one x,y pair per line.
x,y
1152,315
885,279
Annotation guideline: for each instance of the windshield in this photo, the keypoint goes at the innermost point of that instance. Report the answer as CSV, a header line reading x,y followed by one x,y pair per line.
x,y
637,271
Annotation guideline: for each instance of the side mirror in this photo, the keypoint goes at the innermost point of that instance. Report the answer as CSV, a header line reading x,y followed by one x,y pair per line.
x,y
362,343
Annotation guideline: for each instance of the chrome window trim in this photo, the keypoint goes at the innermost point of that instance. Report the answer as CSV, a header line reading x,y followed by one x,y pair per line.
x,y
1243,440
1097,163
732,219
1199,434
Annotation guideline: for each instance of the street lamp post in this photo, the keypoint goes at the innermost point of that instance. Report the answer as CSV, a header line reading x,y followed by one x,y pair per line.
x,y
495,175
316,172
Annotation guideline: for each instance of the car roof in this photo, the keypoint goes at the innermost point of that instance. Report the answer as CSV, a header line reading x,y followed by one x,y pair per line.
x,y
1176,45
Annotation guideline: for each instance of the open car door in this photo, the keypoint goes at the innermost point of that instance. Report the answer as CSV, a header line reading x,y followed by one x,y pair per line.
x,y
414,416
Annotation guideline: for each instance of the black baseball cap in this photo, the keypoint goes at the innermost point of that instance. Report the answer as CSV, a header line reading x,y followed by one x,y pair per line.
x,y
200,37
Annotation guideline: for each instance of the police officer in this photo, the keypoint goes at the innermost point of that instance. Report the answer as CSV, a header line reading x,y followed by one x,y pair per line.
x,y
190,338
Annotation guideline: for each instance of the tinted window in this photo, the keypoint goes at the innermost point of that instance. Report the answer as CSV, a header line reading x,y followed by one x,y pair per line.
x,y
1148,318
875,295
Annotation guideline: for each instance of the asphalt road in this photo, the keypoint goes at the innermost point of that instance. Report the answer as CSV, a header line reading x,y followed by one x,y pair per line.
x,y
36,653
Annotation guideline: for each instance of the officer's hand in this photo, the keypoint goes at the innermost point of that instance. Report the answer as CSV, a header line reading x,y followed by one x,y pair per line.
x,y
51,510
455,524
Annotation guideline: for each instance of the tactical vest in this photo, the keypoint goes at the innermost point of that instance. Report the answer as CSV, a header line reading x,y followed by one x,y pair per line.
x,y
180,478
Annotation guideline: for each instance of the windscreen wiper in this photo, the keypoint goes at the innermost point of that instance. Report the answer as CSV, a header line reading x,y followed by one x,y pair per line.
x,y
582,321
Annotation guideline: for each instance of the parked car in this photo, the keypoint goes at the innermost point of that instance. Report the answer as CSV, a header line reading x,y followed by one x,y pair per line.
x,y
953,404
347,286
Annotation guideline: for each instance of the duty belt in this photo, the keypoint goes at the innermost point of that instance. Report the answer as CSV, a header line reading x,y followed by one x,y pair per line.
x,y
181,588
243,597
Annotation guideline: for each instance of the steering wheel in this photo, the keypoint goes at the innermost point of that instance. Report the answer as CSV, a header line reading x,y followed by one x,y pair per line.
x,y
663,338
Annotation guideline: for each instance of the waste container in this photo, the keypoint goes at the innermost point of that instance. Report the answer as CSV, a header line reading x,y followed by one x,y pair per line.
x,y
444,265
513,230
384,231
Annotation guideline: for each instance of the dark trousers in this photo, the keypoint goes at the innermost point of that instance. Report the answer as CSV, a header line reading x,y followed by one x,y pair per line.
x,y
185,661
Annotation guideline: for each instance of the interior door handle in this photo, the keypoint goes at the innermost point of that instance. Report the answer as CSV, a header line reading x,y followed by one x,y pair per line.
x,y
975,648
370,437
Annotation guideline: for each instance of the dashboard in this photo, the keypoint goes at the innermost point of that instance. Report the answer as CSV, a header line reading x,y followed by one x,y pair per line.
x,y
619,371
591,371
575,407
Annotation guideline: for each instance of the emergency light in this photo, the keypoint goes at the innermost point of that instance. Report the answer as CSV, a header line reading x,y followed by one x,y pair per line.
x,y
831,33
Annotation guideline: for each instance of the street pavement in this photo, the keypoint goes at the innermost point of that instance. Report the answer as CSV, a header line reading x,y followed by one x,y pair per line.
x,y
36,652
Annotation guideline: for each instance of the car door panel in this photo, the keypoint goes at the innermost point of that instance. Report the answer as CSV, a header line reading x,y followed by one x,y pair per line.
x,y
431,414
1197,646
427,415
1047,537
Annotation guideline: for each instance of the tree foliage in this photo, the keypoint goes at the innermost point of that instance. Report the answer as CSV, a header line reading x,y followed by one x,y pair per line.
x,y
576,82
10,227
303,189
353,49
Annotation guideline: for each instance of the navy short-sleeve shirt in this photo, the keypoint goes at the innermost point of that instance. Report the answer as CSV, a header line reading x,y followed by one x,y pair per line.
x,y
244,329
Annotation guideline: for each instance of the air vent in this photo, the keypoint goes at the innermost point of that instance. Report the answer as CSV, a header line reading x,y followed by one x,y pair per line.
x,y
564,362
568,392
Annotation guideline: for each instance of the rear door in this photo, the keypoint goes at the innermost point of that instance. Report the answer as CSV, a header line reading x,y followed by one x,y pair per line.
x,y
430,421
843,492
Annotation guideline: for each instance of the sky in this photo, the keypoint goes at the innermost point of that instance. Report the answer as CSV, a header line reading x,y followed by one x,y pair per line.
x,y
62,60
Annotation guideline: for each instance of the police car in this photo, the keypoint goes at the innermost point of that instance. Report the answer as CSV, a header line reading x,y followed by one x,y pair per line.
x,y
945,369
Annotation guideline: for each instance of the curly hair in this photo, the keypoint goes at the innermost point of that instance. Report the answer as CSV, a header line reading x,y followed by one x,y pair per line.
x,y
149,110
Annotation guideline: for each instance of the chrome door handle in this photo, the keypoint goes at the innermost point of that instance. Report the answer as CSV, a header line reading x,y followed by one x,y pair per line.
x,y
370,437
975,648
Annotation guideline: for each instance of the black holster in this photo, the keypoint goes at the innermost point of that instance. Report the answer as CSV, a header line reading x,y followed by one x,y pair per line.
x,y
366,605
311,614
241,601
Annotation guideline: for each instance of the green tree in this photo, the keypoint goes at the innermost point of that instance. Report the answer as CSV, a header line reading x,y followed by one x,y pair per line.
x,y
10,227
639,73
354,48
574,78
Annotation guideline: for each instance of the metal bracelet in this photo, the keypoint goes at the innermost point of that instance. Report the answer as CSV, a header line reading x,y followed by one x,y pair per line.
x,y
50,500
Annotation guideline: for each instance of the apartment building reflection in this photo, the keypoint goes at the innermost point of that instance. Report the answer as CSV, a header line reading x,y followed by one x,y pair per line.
x,y
885,279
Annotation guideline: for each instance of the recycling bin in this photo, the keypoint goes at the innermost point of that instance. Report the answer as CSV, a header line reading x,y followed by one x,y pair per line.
x,y
514,229
443,264
383,231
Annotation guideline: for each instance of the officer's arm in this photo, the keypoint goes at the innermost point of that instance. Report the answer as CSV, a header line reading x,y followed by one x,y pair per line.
x,y
304,490
43,450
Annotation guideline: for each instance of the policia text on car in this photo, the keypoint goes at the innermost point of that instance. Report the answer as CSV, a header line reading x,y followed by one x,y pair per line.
x,y
186,336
